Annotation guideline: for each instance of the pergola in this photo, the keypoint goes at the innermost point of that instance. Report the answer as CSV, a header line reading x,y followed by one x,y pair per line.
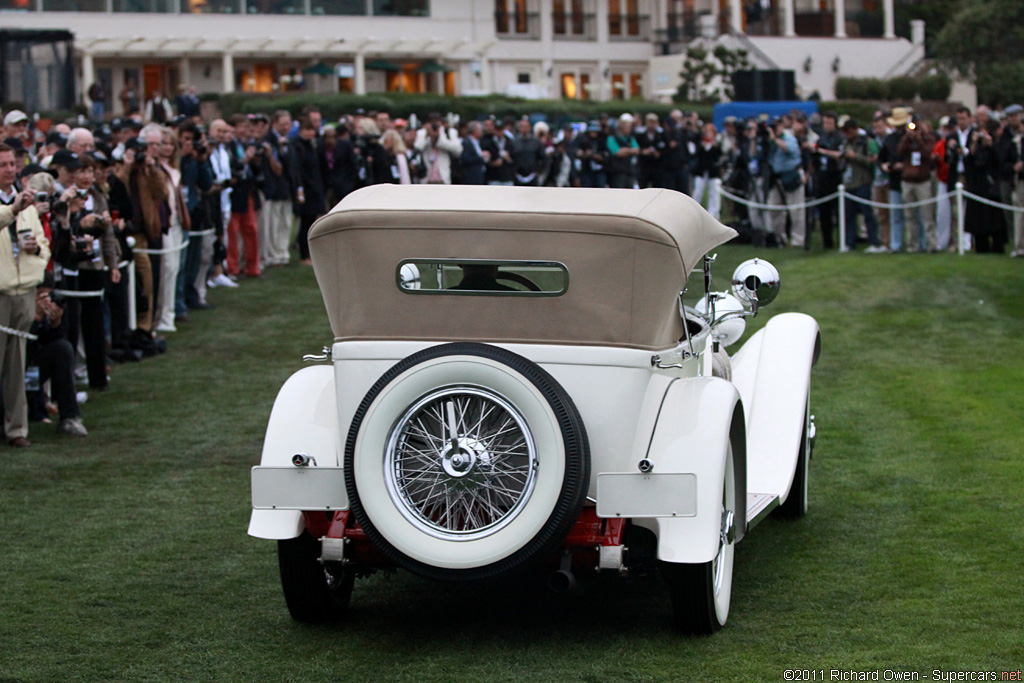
x,y
315,49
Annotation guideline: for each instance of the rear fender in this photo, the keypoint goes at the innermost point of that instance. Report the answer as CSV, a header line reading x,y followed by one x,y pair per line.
x,y
698,418
304,420
772,372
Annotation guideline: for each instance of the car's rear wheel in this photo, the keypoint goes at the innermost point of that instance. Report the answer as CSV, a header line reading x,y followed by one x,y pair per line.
x,y
701,593
466,461
314,593
796,502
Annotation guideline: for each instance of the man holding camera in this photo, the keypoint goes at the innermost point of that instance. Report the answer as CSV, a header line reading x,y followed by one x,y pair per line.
x,y
24,252
278,189
786,184
917,160
438,144
246,158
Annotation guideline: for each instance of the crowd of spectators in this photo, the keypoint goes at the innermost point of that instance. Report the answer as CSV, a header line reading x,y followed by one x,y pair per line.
x,y
192,205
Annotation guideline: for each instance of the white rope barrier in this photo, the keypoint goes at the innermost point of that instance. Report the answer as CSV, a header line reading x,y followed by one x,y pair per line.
x,y
778,207
17,333
76,294
957,198
160,252
201,233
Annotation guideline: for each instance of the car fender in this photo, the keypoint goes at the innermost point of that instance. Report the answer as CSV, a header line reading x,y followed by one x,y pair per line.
x,y
772,372
698,417
304,420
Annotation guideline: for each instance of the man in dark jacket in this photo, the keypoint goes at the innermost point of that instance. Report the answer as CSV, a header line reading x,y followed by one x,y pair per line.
x,y
653,145
278,190
890,162
528,156
498,143
474,157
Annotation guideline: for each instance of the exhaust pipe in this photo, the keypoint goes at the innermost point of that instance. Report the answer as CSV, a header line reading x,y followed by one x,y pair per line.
x,y
562,581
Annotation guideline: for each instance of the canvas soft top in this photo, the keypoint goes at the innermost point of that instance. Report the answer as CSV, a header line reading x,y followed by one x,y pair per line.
x,y
628,254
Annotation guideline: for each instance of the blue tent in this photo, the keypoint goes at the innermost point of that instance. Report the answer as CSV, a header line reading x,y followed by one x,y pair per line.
x,y
745,110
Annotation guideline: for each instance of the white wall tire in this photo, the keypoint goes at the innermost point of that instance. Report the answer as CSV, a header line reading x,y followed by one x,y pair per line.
x,y
702,593
466,461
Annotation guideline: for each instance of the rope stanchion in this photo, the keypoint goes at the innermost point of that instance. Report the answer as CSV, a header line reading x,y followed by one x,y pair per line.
x,y
18,333
842,218
132,312
960,206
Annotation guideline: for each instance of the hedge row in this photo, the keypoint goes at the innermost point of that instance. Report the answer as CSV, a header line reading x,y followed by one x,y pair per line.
x,y
934,87
400,104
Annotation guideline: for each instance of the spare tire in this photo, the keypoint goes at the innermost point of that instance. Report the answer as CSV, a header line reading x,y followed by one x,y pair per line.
x,y
466,461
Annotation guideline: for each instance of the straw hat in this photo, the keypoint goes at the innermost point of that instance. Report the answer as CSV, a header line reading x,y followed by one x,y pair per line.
x,y
900,117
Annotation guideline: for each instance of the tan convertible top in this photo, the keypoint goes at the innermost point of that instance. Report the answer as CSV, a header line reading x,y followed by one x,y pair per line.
x,y
628,254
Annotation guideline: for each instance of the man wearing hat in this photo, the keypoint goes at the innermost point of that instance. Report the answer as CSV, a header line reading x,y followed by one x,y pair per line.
x,y
65,162
497,142
16,126
890,162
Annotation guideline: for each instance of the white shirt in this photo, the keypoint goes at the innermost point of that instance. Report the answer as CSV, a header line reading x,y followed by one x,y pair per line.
x,y
962,135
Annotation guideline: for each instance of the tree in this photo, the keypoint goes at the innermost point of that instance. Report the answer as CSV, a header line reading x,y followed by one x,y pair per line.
x,y
984,41
701,69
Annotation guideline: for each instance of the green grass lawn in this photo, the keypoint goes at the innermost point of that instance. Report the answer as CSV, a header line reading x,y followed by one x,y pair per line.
x,y
124,555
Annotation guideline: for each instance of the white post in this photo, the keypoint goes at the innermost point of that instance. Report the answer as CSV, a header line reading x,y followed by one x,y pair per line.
x,y
789,20
736,15
842,219
88,75
360,68
227,65
840,18
889,15
132,312
960,205
185,67
485,75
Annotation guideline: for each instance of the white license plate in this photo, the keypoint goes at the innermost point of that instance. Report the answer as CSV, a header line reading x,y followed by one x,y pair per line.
x,y
629,494
299,488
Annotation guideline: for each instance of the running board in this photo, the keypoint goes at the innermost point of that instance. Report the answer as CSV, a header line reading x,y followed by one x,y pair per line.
x,y
758,507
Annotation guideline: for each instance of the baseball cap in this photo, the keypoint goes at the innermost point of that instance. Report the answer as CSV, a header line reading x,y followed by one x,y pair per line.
x,y
15,116
1013,109
67,159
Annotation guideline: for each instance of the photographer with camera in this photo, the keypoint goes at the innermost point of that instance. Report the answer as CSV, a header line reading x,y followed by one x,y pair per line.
x,y
247,159
278,189
786,185
439,144
24,252
196,184
917,156
86,250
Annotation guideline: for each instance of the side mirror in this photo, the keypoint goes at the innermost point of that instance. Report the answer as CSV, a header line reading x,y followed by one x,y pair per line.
x,y
756,282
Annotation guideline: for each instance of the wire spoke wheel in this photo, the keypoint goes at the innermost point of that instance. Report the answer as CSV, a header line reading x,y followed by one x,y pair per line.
x,y
460,463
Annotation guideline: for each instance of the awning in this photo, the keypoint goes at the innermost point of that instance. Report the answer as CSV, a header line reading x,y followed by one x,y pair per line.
x,y
433,67
318,69
382,65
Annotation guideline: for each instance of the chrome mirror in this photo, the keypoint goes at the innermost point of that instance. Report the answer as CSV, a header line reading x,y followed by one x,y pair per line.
x,y
756,282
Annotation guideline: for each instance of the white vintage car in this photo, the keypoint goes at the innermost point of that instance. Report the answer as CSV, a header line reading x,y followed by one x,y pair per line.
x,y
515,385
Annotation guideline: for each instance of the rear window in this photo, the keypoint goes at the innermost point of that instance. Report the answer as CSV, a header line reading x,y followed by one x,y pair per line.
x,y
476,277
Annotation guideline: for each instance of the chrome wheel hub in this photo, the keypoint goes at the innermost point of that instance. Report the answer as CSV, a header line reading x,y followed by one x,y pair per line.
x,y
460,463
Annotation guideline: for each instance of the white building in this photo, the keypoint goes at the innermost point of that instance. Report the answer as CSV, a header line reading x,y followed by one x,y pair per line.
x,y
591,49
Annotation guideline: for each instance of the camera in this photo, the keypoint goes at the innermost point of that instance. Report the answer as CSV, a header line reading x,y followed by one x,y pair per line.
x,y
261,150
199,147
82,194
82,244
41,197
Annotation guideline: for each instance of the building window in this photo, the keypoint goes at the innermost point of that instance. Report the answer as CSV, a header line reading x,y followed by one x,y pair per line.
x,y
636,85
75,5
516,19
584,86
274,7
209,6
401,8
147,6
571,20
569,90
626,21
346,8
618,87
523,78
